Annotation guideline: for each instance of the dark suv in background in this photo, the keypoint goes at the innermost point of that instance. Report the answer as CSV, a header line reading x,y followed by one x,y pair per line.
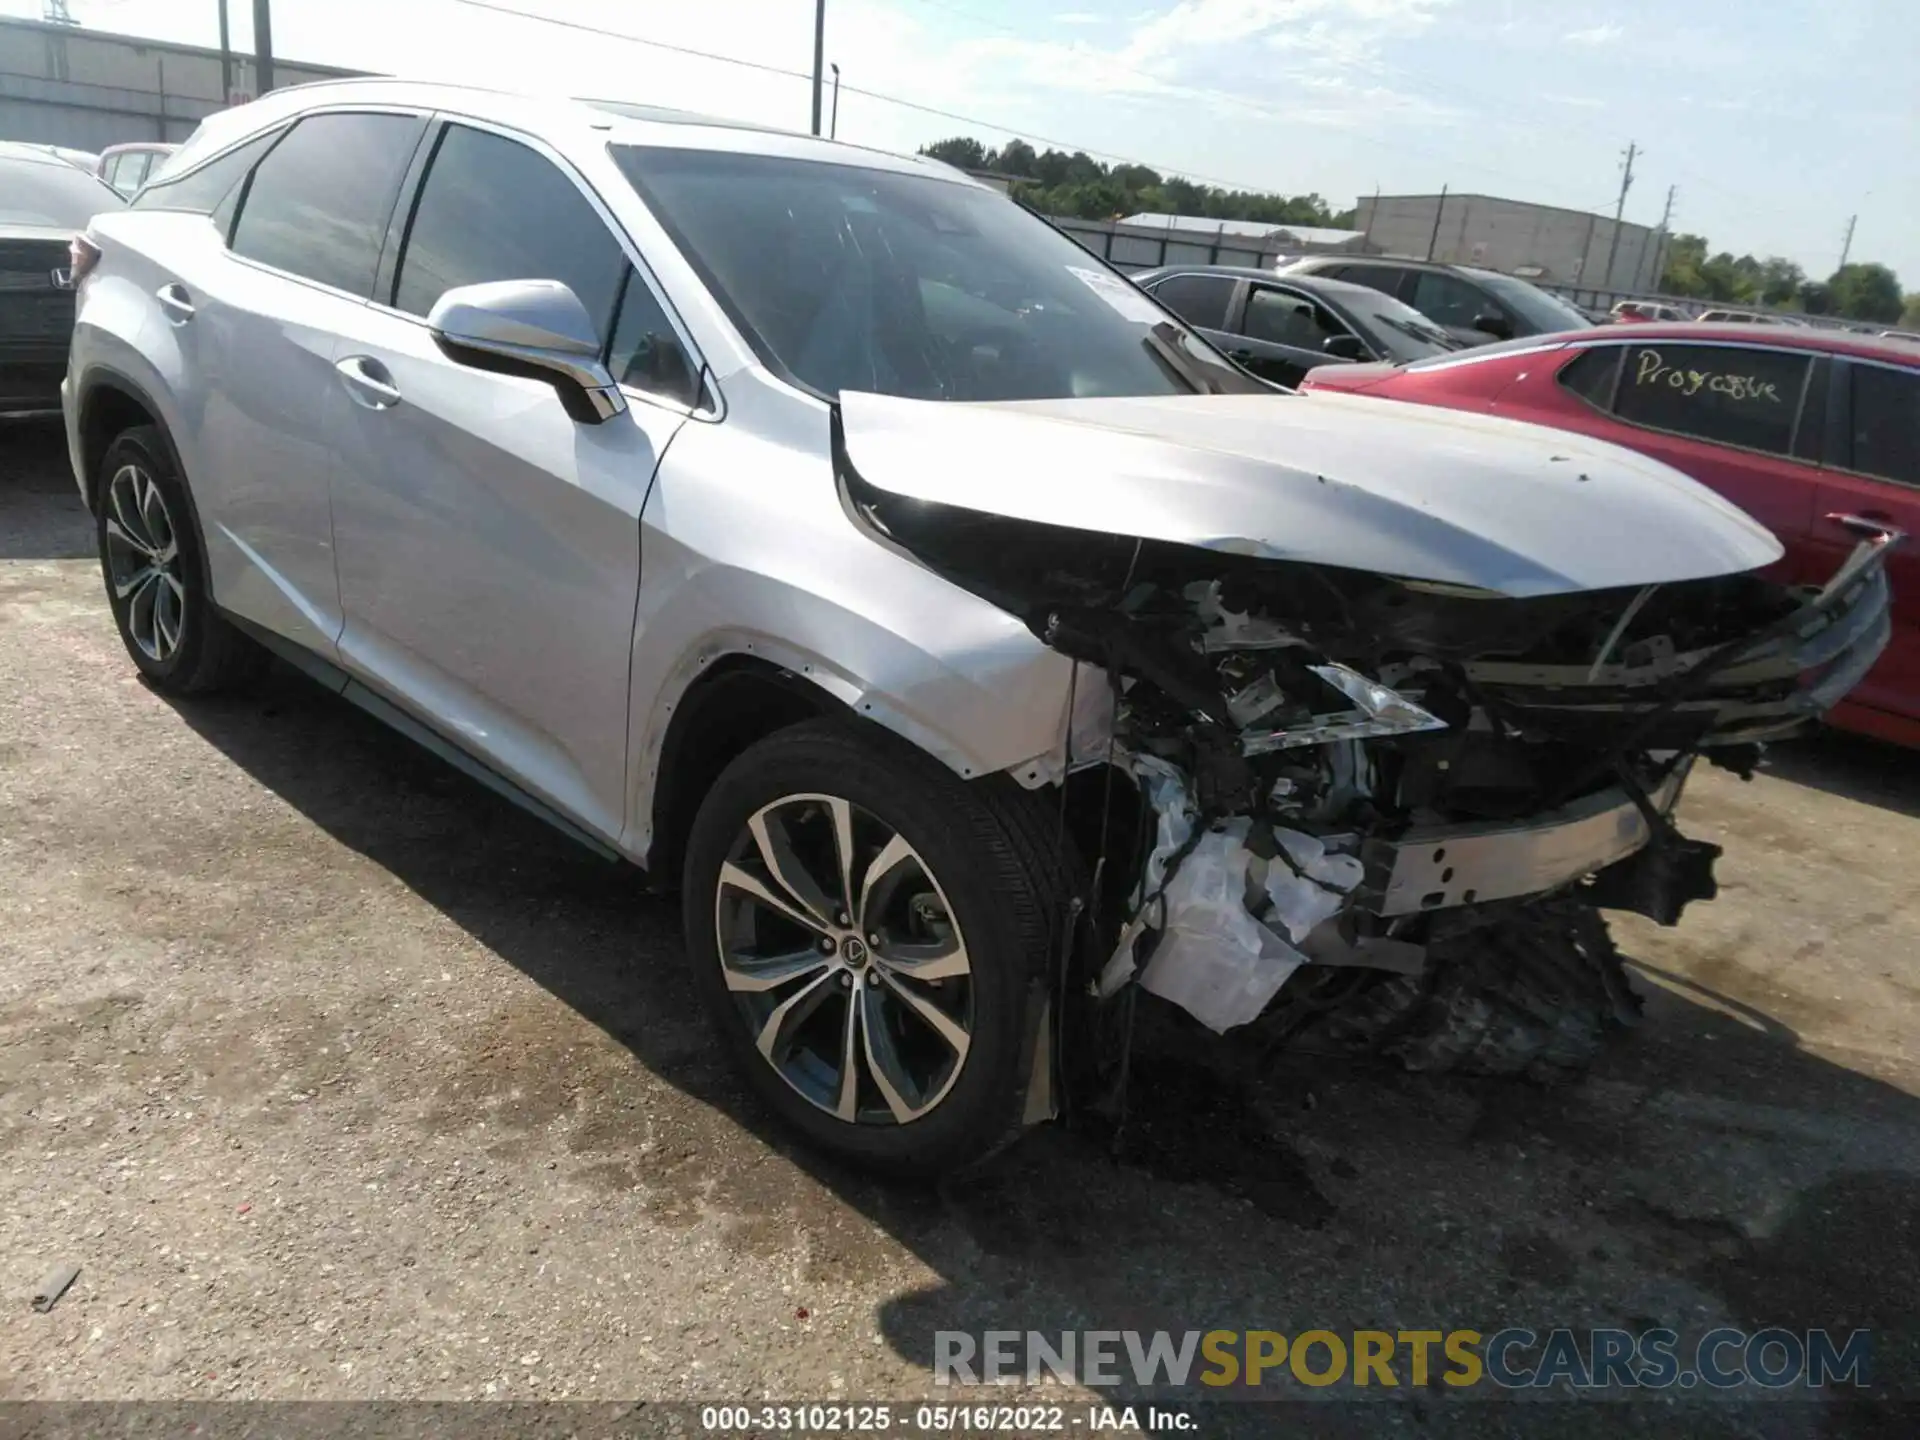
x,y
1281,327
1474,306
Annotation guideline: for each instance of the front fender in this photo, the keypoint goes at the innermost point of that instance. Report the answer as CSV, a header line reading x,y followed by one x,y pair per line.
x,y
999,705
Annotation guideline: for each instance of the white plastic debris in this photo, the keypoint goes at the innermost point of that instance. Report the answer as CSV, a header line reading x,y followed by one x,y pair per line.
x,y
1215,959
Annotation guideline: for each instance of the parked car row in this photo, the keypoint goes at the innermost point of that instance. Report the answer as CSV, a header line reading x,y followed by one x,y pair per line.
x,y
1281,326
614,456
127,167
44,200
124,167
1815,433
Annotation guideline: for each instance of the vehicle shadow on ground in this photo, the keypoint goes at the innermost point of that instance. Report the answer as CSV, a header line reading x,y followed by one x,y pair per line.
x,y
1853,767
44,519
1709,1172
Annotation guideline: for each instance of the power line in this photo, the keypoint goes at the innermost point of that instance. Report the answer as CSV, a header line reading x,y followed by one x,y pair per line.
x,y
1398,145
915,105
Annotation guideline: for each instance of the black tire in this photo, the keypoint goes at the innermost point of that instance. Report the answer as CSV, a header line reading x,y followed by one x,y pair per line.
x,y
991,854
1533,990
200,651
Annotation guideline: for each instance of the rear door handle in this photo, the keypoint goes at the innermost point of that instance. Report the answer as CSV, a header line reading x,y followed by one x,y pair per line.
x,y
368,382
1866,522
176,302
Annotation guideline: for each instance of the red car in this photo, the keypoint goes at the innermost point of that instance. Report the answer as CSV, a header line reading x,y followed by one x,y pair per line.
x,y
1815,433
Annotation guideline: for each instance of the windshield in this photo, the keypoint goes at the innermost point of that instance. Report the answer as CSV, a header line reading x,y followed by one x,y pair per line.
x,y
1536,306
847,278
37,192
1399,329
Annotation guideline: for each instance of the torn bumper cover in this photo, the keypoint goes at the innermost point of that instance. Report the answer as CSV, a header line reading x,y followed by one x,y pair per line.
x,y
1228,910
1229,913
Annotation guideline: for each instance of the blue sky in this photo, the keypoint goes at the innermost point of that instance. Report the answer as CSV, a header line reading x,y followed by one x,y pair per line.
x,y
1776,119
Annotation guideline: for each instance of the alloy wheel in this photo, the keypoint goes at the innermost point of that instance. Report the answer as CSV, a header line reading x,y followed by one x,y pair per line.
x,y
844,960
143,562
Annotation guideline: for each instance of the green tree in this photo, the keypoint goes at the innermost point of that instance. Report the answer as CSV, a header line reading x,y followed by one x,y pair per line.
x,y
1016,157
1686,256
966,153
1816,298
1866,292
1910,316
1780,281
1056,182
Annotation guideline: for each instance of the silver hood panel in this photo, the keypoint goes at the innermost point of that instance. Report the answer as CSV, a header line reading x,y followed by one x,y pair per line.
x,y
1365,484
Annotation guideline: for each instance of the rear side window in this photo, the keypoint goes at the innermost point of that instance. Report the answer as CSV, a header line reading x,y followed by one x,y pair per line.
x,y
202,189
1723,394
1886,423
492,209
318,205
1374,277
1200,300
1449,300
1590,374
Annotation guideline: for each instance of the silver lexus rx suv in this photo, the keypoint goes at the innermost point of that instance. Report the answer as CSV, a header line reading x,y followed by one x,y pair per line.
x,y
973,646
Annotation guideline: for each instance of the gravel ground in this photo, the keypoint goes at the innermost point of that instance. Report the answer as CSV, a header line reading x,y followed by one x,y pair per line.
x,y
340,1078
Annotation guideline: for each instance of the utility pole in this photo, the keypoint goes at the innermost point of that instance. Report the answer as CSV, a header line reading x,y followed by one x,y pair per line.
x,y
1846,246
833,125
1438,211
226,58
819,57
262,47
1619,209
1660,241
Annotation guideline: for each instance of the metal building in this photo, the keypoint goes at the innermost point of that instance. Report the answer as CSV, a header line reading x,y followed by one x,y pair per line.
x,y
1542,243
66,85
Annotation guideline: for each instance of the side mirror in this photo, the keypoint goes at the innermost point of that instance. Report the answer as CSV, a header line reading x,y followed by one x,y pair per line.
x,y
1496,325
1344,347
536,328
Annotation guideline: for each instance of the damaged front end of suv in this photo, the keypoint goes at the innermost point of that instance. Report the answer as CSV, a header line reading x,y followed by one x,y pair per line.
x,y
1403,703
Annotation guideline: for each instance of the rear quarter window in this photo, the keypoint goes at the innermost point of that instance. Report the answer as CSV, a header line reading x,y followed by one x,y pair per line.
x,y
201,190
1590,374
1726,395
1885,420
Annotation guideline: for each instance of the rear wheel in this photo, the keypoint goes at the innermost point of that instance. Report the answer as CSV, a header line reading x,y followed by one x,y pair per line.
x,y
156,574
871,936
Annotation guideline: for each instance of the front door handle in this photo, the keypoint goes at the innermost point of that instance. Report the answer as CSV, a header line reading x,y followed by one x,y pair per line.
x,y
176,302
368,382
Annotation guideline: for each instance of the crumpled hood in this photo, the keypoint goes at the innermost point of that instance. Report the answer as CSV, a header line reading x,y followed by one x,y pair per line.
x,y
1329,479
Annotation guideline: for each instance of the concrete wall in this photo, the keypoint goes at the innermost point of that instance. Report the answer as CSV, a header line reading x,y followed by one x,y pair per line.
x,y
1142,247
66,85
1538,242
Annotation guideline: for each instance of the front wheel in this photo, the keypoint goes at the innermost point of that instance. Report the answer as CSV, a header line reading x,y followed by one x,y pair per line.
x,y
871,935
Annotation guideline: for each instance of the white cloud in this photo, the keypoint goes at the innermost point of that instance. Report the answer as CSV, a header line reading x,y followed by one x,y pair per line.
x,y
1079,17
1596,35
